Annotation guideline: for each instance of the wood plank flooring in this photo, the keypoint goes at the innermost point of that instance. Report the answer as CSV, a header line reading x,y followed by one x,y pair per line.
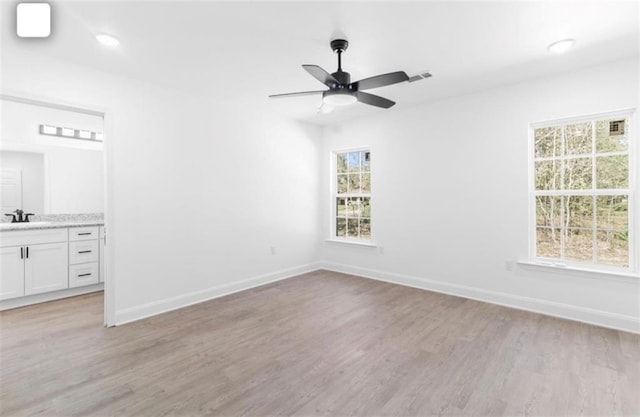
x,y
319,344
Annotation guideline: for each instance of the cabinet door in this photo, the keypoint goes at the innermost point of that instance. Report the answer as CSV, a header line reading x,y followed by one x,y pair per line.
x,y
11,273
46,268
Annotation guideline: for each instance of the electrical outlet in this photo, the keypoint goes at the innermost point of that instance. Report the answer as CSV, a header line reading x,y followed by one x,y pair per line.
x,y
509,265
273,250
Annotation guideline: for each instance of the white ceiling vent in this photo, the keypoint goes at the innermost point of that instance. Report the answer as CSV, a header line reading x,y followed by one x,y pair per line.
x,y
420,76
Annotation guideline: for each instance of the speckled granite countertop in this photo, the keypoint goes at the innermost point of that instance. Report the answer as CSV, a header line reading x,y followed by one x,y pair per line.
x,y
55,221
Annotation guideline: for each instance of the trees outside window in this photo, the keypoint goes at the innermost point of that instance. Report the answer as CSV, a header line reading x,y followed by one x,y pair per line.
x,y
581,193
352,196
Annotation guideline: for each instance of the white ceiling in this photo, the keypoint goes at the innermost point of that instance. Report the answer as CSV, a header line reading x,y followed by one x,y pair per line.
x,y
253,49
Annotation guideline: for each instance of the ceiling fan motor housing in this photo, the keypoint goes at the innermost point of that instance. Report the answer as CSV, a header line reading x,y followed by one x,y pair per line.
x,y
343,78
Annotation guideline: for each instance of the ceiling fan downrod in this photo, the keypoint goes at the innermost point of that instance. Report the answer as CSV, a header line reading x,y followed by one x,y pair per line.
x,y
339,46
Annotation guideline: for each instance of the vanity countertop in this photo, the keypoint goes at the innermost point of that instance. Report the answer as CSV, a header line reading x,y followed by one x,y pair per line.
x,y
6,227
55,221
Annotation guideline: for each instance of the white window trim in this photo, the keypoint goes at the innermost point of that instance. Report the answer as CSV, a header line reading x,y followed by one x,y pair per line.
x,y
621,276
333,155
634,207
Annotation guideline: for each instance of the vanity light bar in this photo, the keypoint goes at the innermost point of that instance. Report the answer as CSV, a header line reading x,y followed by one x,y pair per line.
x,y
71,133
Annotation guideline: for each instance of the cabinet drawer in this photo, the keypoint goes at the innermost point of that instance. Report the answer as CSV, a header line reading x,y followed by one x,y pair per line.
x,y
83,233
32,237
83,252
85,274
103,232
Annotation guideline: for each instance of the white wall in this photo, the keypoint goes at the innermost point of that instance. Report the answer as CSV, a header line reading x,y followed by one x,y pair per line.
x,y
437,170
198,190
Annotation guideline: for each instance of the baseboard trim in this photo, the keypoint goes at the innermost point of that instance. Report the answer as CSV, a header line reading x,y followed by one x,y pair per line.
x,y
129,315
535,305
49,296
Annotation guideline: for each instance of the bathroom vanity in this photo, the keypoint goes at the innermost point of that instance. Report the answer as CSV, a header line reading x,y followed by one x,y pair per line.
x,y
47,260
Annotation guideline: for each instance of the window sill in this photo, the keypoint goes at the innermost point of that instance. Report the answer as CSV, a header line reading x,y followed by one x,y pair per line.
x,y
584,272
352,242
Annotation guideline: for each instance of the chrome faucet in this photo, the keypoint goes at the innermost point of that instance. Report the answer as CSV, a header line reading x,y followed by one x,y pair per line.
x,y
19,219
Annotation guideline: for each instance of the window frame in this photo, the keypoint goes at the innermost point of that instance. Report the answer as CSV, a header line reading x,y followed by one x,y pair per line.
x,y
333,195
632,193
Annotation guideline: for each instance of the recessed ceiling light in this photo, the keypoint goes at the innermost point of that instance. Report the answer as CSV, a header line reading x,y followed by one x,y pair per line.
x,y
560,47
107,40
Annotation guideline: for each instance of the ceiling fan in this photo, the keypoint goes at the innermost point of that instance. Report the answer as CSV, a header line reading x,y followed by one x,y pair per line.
x,y
341,90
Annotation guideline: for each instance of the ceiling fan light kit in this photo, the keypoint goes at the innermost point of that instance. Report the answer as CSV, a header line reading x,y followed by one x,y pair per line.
x,y
339,98
341,90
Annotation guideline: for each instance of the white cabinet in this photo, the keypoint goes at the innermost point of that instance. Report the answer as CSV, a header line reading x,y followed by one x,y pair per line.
x,y
38,261
33,262
11,272
84,256
46,268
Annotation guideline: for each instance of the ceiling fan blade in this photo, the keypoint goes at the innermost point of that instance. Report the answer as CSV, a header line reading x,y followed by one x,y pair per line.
x,y
381,80
301,93
374,100
321,75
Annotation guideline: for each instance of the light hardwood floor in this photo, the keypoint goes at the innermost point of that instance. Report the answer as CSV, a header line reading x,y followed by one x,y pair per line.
x,y
319,344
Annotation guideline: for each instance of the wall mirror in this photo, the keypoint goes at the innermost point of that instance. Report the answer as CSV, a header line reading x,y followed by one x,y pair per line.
x,y
49,174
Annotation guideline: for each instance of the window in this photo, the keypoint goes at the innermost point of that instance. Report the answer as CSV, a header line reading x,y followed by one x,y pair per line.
x,y
352,195
582,191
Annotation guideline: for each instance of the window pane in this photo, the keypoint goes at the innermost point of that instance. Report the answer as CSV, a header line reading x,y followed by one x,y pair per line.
x,y
366,207
577,173
548,175
354,183
579,245
547,242
578,211
352,227
611,135
366,161
547,142
612,212
341,227
578,138
365,183
341,162
365,229
342,184
353,207
341,207
548,211
354,162
613,248
612,171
